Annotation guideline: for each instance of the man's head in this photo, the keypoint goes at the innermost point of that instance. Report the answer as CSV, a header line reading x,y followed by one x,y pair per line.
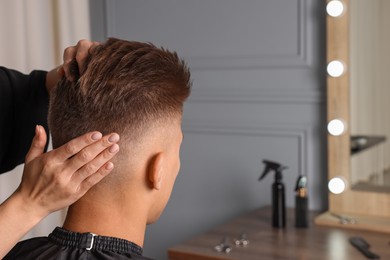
x,y
136,90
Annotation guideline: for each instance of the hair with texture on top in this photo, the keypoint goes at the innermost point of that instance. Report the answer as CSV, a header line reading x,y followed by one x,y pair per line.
x,y
125,87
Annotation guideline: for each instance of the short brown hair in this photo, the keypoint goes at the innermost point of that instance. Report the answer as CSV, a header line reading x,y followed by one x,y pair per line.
x,y
124,87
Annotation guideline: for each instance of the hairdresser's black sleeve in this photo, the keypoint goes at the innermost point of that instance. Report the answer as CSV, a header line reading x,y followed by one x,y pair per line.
x,y
24,103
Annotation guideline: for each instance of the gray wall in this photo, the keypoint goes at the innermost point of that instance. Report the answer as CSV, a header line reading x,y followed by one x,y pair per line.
x,y
258,93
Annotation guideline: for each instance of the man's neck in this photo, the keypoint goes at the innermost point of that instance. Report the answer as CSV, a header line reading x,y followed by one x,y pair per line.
x,y
117,219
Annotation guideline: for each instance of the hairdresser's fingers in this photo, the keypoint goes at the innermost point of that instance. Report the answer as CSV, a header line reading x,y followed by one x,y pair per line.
x,y
90,152
95,178
83,50
69,54
72,147
38,144
94,165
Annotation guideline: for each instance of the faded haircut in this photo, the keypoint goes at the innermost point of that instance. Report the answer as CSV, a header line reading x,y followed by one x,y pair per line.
x,y
125,87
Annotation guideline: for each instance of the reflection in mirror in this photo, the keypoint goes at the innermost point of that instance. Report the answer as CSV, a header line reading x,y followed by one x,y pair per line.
x,y
370,94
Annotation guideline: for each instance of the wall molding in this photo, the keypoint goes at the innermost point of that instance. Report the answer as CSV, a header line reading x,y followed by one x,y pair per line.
x,y
301,134
271,61
285,96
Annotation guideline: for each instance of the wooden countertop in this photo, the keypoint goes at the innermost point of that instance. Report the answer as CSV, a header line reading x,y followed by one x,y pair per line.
x,y
315,242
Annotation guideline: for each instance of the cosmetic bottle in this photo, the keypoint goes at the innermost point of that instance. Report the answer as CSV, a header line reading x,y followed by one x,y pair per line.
x,y
278,193
301,203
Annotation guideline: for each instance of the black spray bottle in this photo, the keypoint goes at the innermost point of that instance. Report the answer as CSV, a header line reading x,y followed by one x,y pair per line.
x,y
278,194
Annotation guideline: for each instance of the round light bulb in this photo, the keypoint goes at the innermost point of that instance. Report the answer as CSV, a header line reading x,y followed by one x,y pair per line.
x,y
335,68
336,127
335,8
337,185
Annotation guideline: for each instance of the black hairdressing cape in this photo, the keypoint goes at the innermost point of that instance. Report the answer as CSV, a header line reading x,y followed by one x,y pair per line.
x,y
65,244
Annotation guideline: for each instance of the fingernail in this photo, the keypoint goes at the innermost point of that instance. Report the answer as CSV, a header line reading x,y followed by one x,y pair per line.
x,y
96,136
37,129
109,166
114,148
113,138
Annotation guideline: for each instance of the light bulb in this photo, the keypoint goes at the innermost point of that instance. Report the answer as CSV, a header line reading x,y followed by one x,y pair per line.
x,y
335,68
335,8
336,127
337,185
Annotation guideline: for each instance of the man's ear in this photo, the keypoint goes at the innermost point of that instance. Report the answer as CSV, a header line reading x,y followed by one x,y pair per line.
x,y
155,173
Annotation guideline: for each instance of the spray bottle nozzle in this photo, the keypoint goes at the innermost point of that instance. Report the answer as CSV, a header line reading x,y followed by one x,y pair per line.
x,y
274,166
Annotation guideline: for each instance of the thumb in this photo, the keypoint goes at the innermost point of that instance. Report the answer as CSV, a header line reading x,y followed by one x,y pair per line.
x,y
38,144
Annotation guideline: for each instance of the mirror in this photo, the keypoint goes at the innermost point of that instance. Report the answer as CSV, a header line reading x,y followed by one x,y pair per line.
x,y
369,94
368,208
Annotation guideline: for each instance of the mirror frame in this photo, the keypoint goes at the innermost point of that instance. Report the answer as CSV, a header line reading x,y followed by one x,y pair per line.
x,y
370,209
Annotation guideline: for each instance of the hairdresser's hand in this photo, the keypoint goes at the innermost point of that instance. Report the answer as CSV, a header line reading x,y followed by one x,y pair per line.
x,y
79,52
54,180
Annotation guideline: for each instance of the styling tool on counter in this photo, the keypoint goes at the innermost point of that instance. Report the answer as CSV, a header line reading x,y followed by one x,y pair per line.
x,y
301,203
242,241
344,219
363,247
278,194
224,246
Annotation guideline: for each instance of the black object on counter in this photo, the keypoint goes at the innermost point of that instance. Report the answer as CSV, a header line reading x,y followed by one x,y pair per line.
x,y
363,247
301,203
278,194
